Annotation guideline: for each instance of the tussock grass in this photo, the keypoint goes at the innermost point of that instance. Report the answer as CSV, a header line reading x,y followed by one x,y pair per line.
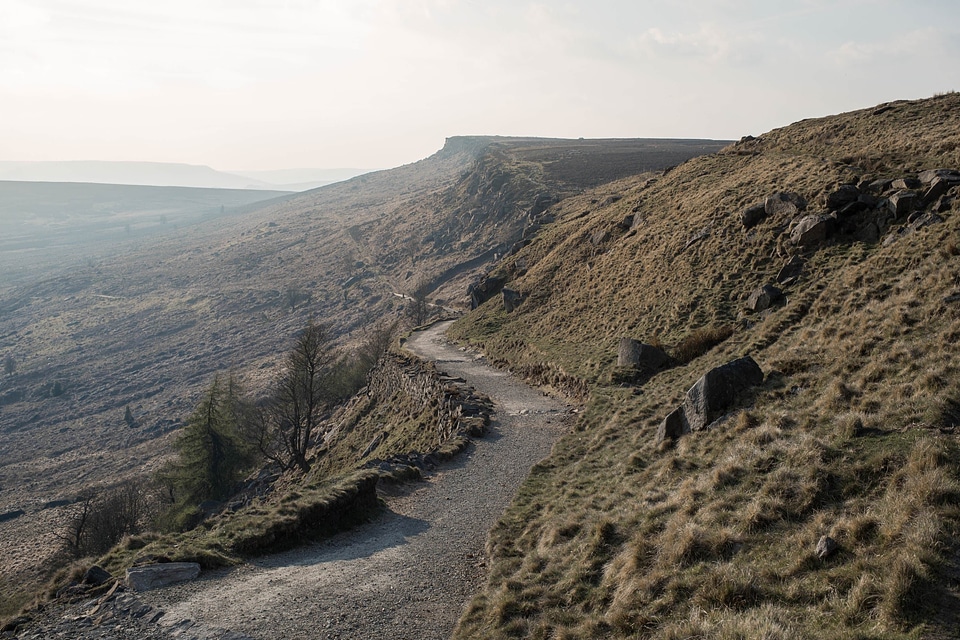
x,y
852,435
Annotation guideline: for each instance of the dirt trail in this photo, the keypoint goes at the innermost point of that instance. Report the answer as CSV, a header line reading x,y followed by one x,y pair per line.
x,y
407,574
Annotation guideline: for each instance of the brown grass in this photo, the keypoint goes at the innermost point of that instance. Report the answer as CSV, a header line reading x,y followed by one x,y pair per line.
x,y
852,435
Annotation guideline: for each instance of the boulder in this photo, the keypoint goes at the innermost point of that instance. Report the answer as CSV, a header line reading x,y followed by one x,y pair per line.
x,y
599,236
673,426
928,176
154,576
751,216
644,357
784,204
906,183
791,270
938,188
811,230
717,391
96,576
511,299
826,546
763,298
842,197
482,291
710,397
902,203
540,204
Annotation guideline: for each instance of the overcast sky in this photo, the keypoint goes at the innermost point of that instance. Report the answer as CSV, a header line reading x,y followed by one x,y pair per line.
x,y
270,84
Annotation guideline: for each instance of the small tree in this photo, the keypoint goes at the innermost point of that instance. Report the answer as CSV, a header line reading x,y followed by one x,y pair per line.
x,y
9,365
419,308
212,450
100,520
303,393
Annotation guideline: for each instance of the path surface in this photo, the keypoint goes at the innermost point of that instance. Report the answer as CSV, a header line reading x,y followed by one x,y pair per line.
x,y
407,574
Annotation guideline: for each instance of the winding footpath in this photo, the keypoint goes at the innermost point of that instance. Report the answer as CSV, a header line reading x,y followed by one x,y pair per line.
x,y
409,572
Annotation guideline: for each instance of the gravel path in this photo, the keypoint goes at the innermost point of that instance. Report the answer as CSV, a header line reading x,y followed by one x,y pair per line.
x,y
409,573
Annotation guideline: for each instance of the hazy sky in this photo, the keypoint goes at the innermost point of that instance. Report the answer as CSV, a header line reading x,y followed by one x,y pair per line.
x,y
268,84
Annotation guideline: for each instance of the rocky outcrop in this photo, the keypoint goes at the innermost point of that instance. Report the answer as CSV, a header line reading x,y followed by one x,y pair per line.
x,y
511,299
790,272
710,397
752,216
159,575
480,292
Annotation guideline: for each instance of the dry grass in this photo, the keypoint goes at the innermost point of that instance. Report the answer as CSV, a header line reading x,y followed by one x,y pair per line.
x,y
852,435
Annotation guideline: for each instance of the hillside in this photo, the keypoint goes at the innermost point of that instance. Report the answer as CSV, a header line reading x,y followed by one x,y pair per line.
x,y
146,326
852,433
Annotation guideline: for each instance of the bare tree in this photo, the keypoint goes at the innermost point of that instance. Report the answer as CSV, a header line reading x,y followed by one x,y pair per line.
x,y
99,521
419,308
301,396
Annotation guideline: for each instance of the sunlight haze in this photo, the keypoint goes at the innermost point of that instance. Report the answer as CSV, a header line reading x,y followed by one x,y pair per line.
x,y
255,85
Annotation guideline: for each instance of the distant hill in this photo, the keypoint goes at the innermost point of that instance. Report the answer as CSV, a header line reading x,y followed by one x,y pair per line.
x,y
301,179
168,174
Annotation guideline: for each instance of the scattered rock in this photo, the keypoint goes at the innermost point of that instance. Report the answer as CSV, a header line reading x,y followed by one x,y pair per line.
x,y
511,299
902,203
905,183
928,176
841,197
751,216
159,575
599,236
826,546
610,200
710,397
644,357
96,576
718,389
763,298
937,189
784,203
791,270
812,229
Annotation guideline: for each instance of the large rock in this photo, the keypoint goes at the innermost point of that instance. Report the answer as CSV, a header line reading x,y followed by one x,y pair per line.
x,y
763,298
482,291
710,397
903,203
644,357
751,216
842,197
154,576
938,188
717,391
784,204
950,175
511,299
791,270
811,230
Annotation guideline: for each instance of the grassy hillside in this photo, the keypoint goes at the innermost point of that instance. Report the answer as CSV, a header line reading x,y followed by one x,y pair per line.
x,y
145,325
851,435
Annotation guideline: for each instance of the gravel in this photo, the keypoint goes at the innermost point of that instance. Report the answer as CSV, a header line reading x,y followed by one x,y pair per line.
x,y
406,574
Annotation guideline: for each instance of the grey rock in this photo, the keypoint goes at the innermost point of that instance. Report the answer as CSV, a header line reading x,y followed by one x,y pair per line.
x,y
718,389
812,229
673,426
928,176
826,547
763,298
642,356
906,183
784,203
751,216
868,233
903,203
937,189
841,197
792,269
599,236
482,291
153,576
511,299
96,576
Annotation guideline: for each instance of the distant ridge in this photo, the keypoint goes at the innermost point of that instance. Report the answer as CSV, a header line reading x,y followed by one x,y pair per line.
x,y
171,174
